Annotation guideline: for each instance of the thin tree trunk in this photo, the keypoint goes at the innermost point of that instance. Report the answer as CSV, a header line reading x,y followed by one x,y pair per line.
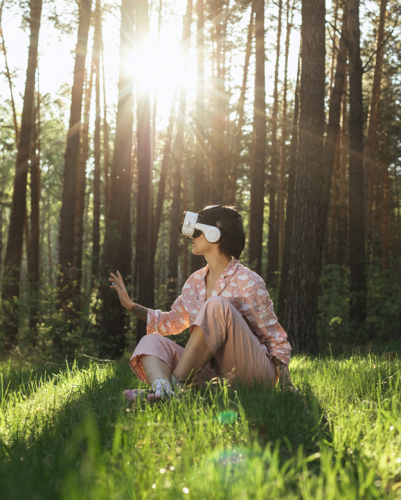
x,y
145,195
333,53
161,191
342,219
106,145
289,222
218,138
34,243
196,260
331,150
333,201
240,115
356,185
185,204
178,158
386,205
96,174
18,206
117,247
81,185
67,215
370,146
282,170
303,286
259,156
272,242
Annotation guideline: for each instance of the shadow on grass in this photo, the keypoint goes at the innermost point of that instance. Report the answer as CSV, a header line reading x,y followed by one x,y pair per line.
x,y
44,453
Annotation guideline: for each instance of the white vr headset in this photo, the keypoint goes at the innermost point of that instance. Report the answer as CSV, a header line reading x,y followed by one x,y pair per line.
x,y
191,225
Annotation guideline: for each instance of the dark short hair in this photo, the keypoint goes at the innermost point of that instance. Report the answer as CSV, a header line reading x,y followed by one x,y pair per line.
x,y
232,241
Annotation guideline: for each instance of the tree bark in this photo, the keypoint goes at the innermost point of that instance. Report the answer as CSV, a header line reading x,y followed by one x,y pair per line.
x,y
67,215
333,202
117,248
259,156
34,243
289,222
342,237
356,184
303,286
161,191
282,169
386,205
106,145
18,207
272,242
96,174
332,138
370,146
81,186
196,260
178,158
144,214
240,115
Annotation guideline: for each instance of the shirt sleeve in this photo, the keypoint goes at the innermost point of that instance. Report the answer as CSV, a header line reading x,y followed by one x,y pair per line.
x,y
168,323
258,310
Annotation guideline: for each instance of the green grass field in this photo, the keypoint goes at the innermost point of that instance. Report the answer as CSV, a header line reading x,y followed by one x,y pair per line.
x,y
66,432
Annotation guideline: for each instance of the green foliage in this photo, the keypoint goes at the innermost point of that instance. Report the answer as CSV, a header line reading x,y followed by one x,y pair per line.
x,y
67,431
335,327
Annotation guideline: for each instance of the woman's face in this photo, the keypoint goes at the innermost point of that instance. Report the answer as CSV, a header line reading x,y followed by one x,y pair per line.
x,y
200,246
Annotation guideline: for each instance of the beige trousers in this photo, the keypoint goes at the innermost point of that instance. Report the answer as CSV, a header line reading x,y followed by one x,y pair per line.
x,y
237,351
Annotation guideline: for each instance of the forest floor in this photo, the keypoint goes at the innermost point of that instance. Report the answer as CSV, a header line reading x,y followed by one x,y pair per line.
x,y
66,432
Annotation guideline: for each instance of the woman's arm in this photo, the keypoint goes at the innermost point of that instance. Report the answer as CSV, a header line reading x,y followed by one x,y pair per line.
x,y
117,283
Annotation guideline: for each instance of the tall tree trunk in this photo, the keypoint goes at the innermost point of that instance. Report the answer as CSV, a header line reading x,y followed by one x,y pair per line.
x,y
13,257
259,156
81,185
218,137
282,170
331,150
196,261
106,145
67,215
34,244
333,202
370,146
161,191
144,214
240,115
96,174
342,237
178,158
117,247
303,286
289,222
272,242
356,184
386,204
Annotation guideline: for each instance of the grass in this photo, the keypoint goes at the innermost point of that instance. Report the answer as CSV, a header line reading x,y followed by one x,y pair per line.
x,y
67,433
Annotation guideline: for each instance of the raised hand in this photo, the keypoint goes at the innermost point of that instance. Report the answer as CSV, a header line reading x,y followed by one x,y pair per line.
x,y
117,284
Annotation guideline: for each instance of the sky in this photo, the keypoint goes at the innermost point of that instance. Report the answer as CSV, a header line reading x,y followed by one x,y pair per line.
x,y
159,66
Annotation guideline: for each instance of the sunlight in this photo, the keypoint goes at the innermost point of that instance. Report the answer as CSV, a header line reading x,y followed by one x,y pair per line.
x,y
159,67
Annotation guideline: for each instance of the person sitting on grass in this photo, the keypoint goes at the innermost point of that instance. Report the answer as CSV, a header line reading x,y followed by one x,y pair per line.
x,y
233,329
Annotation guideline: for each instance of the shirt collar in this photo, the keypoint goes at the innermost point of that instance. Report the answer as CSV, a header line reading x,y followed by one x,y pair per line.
x,y
228,271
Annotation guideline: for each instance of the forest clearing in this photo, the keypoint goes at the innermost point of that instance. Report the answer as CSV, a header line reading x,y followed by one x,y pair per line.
x,y
67,432
214,186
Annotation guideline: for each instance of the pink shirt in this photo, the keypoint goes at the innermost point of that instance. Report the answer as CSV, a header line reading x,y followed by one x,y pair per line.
x,y
245,290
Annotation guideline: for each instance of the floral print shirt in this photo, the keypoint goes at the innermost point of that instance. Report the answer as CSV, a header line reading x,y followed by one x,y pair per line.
x,y
245,290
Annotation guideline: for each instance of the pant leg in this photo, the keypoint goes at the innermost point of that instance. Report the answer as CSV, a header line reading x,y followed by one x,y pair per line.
x,y
236,349
168,351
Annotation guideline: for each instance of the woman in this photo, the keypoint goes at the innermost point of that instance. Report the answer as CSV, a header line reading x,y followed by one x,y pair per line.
x,y
233,328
